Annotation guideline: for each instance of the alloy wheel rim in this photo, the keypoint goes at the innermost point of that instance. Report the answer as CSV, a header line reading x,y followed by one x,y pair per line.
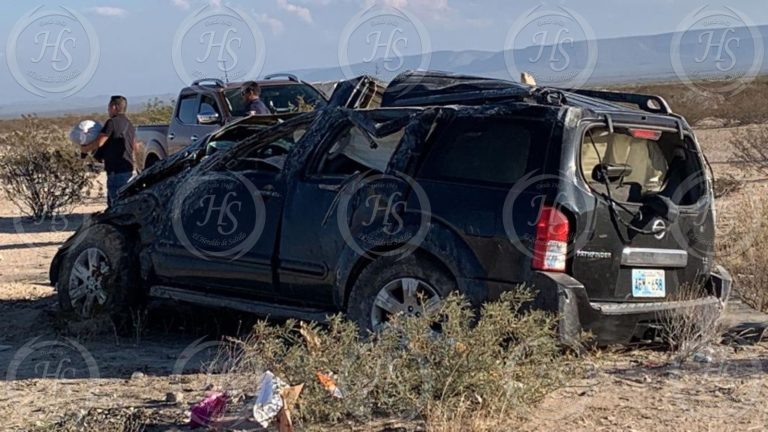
x,y
407,296
86,282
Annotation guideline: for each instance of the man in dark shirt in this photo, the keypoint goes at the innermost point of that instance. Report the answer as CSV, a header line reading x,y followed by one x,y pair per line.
x,y
253,105
114,146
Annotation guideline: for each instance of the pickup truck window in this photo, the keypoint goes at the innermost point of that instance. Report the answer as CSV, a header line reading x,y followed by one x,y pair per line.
x,y
208,105
187,112
280,99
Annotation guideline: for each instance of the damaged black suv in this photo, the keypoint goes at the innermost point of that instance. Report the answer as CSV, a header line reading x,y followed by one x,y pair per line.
x,y
601,202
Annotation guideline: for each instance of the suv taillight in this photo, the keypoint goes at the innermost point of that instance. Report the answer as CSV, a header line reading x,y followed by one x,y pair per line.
x,y
551,246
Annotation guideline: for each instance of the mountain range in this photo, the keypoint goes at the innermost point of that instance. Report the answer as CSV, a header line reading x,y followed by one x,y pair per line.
x,y
631,59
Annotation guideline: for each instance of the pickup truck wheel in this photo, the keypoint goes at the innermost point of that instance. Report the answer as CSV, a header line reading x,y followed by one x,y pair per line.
x,y
98,276
389,286
151,160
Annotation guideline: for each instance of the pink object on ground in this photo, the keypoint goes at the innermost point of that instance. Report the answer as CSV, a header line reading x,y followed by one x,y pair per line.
x,y
208,410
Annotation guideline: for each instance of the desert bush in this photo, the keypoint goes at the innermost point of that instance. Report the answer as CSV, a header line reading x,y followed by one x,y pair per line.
x,y
727,184
497,363
751,147
40,171
692,328
155,111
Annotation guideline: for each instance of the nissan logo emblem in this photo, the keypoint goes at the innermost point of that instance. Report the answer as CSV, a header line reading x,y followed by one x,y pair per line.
x,y
660,228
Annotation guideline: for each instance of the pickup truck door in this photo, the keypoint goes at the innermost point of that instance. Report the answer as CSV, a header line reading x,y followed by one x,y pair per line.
x,y
186,126
226,220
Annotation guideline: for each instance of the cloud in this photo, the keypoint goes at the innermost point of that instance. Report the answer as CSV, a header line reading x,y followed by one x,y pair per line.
x,y
423,5
275,25
109,11
181,4
299,11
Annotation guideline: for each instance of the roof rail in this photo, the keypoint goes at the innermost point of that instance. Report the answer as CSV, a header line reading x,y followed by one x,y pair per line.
x,y
217,82
291,77
649,103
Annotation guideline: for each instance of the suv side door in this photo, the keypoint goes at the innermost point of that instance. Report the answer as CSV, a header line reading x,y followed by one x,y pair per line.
x,y
225,218
469,173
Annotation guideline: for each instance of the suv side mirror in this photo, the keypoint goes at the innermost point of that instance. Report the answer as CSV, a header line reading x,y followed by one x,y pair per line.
x,y
610,172
208,117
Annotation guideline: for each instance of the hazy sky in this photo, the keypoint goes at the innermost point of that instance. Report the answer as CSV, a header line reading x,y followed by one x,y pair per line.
x,y
136,38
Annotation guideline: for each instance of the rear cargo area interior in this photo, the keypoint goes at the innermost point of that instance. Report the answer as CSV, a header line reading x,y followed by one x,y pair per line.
x,y
668,166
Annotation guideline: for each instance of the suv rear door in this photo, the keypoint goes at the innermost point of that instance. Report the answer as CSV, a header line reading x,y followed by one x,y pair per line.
x,y
657,236
472,167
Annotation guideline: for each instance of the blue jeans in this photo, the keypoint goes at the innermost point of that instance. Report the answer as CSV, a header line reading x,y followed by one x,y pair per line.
x,y
114,183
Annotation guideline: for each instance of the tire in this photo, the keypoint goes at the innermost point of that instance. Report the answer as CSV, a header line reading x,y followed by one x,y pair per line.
x,y
110,285
384,274
151,160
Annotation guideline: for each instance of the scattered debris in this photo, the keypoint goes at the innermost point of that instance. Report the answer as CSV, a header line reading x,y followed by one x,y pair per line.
x,y
172,397
275,400
268,400
701,357
290,397
310,336
208,410
328,381
527,78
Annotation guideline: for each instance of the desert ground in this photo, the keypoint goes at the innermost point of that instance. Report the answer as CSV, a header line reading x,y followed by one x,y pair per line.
x,y
54,370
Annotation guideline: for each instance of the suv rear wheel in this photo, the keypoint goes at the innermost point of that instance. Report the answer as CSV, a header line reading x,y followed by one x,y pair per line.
x,y
391,286
97,275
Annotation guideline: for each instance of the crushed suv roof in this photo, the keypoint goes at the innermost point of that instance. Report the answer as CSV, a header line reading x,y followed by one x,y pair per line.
x,y
418,88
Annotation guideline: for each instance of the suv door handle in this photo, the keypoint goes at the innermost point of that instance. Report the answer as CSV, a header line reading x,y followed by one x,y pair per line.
x,y
171,136
269,191
193,138
329,187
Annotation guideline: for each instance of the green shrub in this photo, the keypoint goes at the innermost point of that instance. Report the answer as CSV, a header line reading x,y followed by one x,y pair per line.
x,y
505,361
41,172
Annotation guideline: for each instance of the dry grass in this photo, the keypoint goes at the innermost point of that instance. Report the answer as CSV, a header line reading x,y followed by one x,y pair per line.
x,y
697,106
742,249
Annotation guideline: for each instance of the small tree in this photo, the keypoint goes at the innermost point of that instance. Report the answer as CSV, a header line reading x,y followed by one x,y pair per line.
x,y
156,111
40,171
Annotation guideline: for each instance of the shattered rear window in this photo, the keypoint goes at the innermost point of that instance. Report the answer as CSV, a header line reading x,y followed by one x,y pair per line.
x,y
657,166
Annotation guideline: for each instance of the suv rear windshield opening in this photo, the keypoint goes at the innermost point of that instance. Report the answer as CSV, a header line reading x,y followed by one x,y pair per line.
x,y
657,165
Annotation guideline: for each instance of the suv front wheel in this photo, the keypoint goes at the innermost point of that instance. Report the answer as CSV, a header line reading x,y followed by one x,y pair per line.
x,y
390,286
97,275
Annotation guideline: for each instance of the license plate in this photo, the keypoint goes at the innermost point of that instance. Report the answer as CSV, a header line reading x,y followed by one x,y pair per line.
x,y
648,283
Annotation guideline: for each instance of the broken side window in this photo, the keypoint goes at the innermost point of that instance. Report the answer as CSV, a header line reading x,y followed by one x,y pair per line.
x,y
353,151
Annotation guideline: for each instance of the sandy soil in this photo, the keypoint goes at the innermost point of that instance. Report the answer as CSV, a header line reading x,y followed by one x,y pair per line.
x,y
52,369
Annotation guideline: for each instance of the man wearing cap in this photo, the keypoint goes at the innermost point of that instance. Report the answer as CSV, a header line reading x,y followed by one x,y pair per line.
x,y
114,146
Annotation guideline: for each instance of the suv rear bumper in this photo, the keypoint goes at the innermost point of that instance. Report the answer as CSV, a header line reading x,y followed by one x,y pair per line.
x,y
613,323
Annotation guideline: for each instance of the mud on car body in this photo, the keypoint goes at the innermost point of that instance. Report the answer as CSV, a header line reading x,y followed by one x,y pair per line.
x,y
601,202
